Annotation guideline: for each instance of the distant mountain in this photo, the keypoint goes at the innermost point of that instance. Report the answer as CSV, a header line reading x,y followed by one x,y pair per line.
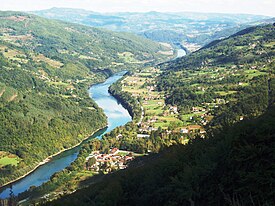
x,y
186,27
46,67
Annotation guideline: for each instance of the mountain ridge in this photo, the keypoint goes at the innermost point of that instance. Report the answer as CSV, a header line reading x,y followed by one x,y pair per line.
x,y
191,28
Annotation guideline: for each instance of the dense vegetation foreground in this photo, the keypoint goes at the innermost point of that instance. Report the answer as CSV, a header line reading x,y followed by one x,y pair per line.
x,y
232,167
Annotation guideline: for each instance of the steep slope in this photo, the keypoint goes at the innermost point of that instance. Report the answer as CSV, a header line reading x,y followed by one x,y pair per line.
x,y
234,167
233,164
236,74
90,47
46,68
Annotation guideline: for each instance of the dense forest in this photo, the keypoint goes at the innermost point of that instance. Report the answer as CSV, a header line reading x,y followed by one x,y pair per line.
x,y
46,68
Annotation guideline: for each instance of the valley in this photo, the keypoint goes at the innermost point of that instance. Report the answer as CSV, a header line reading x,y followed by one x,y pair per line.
x,y
162,118
45,107
178,111
211,96
60,161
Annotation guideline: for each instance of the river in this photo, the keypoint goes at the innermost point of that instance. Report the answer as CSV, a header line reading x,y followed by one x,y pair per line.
x,y
117,116
180,53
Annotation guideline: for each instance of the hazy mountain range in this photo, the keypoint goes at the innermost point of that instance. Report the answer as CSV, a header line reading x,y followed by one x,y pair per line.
x,y
186,27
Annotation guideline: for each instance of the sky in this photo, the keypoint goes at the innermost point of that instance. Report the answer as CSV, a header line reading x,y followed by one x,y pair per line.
x,y
263,7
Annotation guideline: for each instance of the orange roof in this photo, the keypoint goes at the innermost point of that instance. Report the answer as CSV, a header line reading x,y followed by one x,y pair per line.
x,y
194,127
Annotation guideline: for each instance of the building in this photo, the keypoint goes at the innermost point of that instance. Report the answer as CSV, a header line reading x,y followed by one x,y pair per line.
x,y
184,131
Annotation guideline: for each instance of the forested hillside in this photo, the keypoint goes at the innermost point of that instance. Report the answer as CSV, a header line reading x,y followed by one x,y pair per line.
x,y
46,67
233,81
236,73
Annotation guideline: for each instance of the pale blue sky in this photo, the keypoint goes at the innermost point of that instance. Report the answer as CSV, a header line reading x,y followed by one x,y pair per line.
x,y
264,7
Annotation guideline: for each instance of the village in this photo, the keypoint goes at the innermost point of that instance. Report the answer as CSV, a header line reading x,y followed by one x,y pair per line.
x,y
157,114
170,118
115,160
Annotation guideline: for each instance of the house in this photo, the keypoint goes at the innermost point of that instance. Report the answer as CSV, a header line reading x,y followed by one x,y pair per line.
x,y
119,136
184,131
127,158
194,128
114,151
143,135
174,109
150,128
195,109
114,159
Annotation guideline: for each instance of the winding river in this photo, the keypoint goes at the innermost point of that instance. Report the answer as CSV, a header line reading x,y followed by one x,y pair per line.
x,y
117,116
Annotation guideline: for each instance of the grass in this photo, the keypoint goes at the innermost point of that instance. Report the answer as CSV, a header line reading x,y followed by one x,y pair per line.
x,y
145,74
13,54
245,84
51,62
186,117
164,122
138,91
123,153
84,174
128,57
8,93
271,44
9,161
64,84
154,111
200,92
222,93
254,73
152,107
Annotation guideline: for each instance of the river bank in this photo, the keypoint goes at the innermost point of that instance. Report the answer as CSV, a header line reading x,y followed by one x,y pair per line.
x,y
116,114
48,159
126,100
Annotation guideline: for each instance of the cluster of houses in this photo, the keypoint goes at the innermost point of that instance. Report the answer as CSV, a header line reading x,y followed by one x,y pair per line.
x,y
173,109
192,129
202,113
146,127
115,160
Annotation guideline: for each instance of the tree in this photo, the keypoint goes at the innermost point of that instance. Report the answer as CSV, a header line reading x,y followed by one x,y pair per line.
x,y
91,161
